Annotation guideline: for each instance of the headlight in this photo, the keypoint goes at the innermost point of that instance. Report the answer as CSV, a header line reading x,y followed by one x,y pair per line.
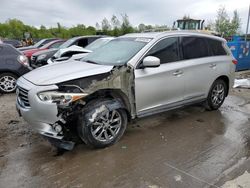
x,y
60,98
40,57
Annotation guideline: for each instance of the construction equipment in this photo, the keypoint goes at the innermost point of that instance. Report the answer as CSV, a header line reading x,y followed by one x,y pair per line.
x,y
189,24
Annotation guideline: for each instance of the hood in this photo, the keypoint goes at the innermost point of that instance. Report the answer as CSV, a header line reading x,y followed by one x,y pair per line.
x,y
47,52
64,71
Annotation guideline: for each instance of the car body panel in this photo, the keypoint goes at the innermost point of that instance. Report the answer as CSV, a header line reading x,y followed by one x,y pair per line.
x,y
39,44
65,71
29,53
160,80
9,62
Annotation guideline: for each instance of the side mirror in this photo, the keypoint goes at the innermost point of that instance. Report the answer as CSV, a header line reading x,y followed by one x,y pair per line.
x,y
151,61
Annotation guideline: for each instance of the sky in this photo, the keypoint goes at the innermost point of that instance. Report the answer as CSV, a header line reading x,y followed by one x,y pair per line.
x,y
88,12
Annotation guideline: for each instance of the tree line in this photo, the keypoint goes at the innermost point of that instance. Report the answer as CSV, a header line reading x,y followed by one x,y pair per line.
x,y
15,29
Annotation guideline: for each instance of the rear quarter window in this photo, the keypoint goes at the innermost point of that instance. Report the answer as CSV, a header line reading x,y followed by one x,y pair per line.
x,y
216,47
194,47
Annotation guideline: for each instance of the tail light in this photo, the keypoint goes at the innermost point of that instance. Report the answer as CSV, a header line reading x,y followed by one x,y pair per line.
x,y
234,61
23,60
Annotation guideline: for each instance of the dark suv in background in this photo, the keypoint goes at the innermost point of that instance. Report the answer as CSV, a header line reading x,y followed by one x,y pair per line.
x,y
13,64
13,42
40,58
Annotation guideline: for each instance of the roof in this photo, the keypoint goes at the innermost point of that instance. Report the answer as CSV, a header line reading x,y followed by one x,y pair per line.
x,y
174,32
89,36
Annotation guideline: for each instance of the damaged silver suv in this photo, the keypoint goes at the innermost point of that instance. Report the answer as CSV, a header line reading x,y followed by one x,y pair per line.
x,y
134,75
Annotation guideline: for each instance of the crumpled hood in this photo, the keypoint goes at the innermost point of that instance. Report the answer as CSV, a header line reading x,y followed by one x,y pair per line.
x,y
73,48
65,71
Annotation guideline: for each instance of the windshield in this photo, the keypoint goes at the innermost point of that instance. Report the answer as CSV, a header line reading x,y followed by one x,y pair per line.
x,y
39,43
98,43
67,43
117,52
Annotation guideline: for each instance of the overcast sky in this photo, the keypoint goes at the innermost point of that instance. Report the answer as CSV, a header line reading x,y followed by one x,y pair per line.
x,y
88,12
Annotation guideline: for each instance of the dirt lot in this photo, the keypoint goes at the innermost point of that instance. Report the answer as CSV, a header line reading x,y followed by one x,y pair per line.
x,y
189,147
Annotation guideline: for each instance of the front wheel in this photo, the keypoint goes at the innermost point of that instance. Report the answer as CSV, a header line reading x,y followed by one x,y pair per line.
x,y
105,130
7,83
217,95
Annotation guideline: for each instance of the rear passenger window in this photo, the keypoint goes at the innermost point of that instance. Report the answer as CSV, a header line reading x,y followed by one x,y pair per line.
x,y
216,47
194,47
166,50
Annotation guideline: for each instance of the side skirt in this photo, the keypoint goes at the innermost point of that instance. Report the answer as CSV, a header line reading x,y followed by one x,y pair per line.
x,y
167,107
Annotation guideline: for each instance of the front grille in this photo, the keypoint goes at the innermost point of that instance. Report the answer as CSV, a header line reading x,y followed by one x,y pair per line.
x,y
22,96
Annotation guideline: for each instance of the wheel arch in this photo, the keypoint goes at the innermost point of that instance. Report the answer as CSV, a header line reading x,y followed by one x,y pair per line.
x,y
9,71
115,94
226,80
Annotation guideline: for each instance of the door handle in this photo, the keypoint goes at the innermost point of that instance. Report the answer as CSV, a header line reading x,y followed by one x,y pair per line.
x,y
212,65
178,73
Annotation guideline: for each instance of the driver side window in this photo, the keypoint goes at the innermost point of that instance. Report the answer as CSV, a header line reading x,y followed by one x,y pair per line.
x,y
166,50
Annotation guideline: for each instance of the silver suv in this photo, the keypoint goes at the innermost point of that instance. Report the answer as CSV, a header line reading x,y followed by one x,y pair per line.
x,y
134,75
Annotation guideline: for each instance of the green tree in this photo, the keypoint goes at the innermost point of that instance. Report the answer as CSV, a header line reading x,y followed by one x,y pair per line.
x,y
235,23
224,25
141,27
116,24
126,26
105,25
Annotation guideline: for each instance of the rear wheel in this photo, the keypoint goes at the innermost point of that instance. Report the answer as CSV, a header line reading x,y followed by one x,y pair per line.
x,y
217,95
7,82
105,130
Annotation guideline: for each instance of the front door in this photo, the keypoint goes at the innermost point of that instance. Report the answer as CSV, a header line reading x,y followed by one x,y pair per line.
x,y
160,87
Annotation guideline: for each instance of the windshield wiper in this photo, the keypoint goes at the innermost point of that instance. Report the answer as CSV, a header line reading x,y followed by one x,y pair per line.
x,y
89,61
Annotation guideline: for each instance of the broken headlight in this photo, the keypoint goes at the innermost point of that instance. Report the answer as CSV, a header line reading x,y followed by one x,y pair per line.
x,y
60,98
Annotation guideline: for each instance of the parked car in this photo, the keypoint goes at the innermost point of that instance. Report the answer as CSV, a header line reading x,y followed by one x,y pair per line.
x,y
39,44
77,52
132,76
55,44
13,42
13,64
40,58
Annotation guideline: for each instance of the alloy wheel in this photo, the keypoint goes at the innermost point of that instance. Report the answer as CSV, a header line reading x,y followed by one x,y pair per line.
x,y
107,126
7,84
218,94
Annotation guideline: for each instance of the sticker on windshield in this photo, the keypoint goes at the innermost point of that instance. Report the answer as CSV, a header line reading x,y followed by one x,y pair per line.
x,y
142,40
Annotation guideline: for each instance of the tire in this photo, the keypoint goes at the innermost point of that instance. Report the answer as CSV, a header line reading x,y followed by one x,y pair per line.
x,y
217,95
106,130
7,83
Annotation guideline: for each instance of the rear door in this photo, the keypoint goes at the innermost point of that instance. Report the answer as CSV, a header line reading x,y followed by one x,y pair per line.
x,y
199,65
163,86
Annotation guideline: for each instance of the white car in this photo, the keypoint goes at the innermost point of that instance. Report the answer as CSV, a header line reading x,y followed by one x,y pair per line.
x,y
76,52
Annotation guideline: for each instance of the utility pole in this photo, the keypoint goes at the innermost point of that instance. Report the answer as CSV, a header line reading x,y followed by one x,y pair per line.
x,y
247,23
